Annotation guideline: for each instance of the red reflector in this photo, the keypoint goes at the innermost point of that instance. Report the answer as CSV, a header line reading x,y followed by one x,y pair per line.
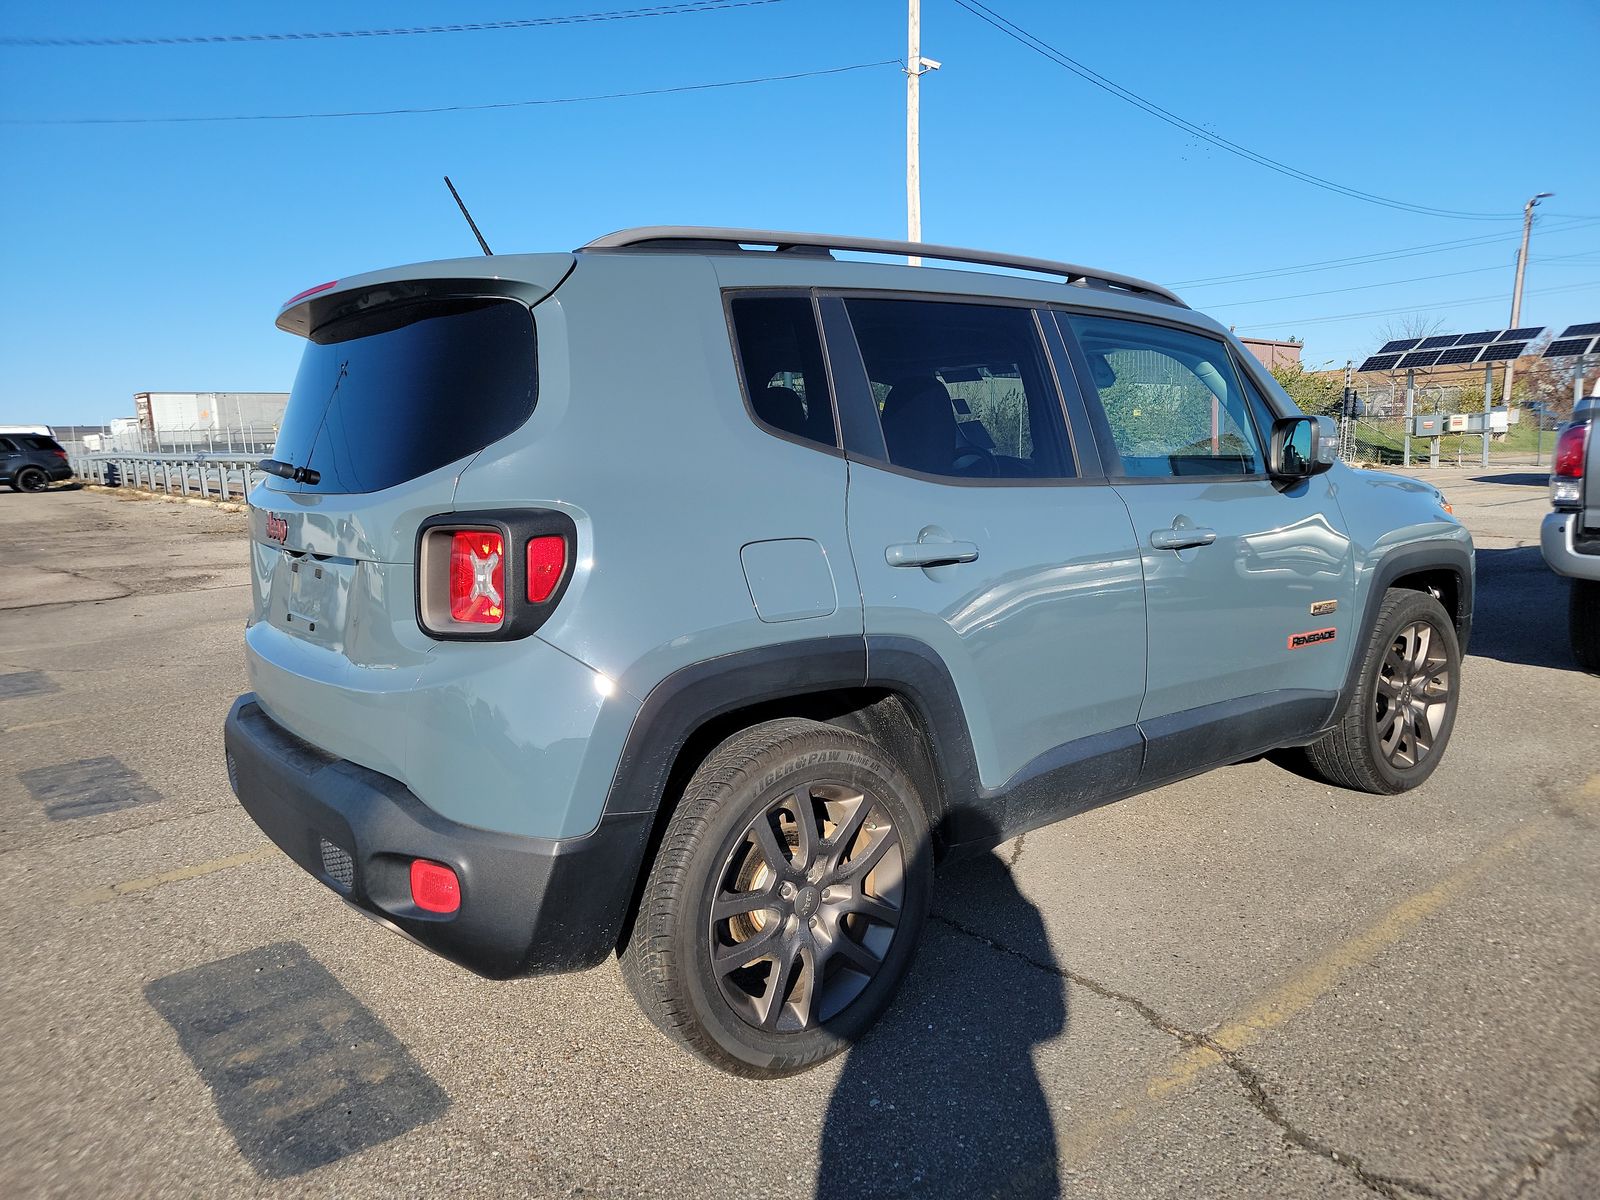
x,y
1569,451
310,291
477,577
547,556
434,887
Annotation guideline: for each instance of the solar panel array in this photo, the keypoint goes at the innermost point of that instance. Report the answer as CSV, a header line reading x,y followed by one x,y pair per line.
x,y
1575,340
1459,349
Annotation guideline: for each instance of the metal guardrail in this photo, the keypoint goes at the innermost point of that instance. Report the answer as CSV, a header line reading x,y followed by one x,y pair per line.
x,y
208,476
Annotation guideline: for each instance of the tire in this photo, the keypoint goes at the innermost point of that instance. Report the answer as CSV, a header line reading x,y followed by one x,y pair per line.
x,y
30,479
847,926
1393,731
1583,616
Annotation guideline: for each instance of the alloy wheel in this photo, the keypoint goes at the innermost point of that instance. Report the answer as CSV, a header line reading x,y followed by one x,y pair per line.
x,y
1415,690
806,906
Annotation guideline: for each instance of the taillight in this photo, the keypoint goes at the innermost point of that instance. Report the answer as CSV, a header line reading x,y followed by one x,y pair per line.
x,y
434,887
547,560
59,453
1566,479
493,574
477,578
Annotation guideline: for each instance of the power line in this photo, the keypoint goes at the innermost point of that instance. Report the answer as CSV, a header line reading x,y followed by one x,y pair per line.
x,y
1363,287
1088,74
1411,308
1329,264
450,108
624,14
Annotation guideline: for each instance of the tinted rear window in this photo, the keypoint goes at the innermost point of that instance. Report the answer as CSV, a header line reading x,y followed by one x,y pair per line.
x,y
35,442
387,396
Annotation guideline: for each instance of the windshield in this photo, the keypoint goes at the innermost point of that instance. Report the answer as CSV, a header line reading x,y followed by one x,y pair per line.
x,y
386,396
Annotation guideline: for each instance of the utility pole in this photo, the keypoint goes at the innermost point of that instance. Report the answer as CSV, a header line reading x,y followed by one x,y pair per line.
x,y
916,68
1516,293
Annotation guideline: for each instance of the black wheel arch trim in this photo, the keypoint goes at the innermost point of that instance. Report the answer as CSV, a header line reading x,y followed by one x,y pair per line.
x,y
1397,564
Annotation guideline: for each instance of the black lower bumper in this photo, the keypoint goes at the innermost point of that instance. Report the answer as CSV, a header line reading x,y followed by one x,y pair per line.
x,y
528,905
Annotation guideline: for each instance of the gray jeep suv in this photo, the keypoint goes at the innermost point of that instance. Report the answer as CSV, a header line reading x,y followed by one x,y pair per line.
x,y
689,596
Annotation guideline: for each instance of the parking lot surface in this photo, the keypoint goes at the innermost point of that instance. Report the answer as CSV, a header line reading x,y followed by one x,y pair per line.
x,y
1247,984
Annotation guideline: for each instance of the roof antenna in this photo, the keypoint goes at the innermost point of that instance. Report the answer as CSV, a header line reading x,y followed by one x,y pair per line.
x,y
468,216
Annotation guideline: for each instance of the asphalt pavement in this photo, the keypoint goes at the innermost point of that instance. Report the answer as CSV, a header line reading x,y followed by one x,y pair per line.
x,y
1245,985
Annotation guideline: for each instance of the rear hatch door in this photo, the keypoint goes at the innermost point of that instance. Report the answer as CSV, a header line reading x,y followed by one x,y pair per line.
x,y
392,399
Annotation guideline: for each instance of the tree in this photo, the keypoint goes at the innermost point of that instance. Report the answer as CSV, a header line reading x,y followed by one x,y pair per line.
x,y
1318,395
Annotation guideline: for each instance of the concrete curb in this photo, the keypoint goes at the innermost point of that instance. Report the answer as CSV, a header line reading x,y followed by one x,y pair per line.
x,y
129,493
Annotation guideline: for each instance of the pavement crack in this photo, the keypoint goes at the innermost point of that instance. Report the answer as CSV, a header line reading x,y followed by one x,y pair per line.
x,y
1393,1187
1578,1129
1016,851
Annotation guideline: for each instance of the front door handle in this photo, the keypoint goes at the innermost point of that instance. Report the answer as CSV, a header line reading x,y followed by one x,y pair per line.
x,y
929,554
1182,539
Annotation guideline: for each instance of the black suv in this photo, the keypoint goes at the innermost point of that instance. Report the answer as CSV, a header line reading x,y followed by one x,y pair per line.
x,y
30,462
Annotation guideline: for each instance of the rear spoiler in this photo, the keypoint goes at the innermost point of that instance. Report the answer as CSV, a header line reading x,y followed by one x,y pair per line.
x,y
526,277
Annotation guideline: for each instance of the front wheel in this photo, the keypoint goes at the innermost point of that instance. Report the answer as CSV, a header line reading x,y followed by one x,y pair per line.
x,y
784,905
1395,726
1583,615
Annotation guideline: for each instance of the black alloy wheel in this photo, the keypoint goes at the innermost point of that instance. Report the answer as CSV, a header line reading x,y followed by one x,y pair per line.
x,y
807,906
785,901
1415,692
31,479
1397,720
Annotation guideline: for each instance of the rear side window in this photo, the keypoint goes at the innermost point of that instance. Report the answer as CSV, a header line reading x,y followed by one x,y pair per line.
x,y
780,357
962,390
36,442
392,394
1172,399
6,446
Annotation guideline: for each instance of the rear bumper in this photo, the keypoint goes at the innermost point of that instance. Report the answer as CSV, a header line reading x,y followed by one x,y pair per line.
x,y
528,905
1558,541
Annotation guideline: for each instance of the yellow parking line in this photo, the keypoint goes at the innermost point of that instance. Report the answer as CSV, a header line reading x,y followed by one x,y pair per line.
x,y
128,886
1310,984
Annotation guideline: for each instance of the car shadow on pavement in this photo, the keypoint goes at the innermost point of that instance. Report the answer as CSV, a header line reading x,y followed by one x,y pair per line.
x,y
1520,610
942,1098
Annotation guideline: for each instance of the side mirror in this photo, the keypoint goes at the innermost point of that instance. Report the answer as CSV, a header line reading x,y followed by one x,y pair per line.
x,y
1302,447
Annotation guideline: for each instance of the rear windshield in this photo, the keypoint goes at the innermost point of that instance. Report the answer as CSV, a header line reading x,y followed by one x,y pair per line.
x,y
386,396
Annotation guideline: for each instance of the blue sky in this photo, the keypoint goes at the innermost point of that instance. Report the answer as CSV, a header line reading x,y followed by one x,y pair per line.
x,y
146,257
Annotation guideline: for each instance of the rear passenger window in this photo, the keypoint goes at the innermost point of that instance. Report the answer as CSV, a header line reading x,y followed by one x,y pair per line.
x,y
962,390
780,356
1172,399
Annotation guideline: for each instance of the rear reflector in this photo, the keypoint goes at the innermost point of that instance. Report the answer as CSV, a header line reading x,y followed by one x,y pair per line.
x,y
434,887
547,558
478,577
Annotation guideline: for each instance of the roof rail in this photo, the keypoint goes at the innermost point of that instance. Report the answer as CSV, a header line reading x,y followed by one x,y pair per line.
x,y
712,240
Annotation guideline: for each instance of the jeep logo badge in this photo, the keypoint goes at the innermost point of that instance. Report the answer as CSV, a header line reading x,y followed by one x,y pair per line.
x,y
277,528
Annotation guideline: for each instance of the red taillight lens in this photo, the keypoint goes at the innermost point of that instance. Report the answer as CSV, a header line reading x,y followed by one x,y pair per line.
x,y
59,453
1569,451
478,577
547,558
434,887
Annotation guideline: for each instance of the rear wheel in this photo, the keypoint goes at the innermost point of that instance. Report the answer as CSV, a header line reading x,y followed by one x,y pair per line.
x,y
30,479
1583,615
1396,725
784,905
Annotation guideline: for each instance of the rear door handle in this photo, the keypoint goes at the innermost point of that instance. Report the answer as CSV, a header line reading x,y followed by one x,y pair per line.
x,y
1182,539
929,554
